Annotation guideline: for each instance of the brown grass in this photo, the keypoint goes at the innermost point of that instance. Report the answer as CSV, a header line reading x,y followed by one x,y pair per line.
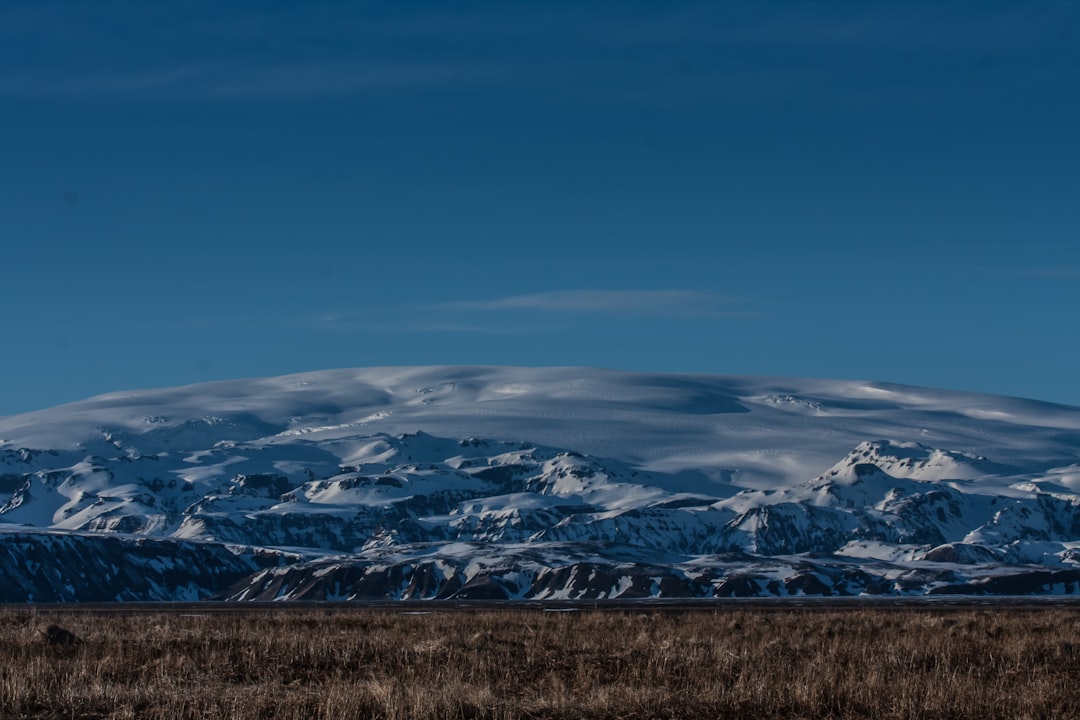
x,y
367,663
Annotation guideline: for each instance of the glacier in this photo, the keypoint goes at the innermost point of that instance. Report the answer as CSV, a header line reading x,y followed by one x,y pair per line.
x,y
510,483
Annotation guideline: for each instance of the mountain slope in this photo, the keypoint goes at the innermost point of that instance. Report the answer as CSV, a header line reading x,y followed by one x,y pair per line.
x,y
539,483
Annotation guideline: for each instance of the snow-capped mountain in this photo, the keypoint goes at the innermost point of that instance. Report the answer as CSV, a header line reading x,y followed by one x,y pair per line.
x,y
476,482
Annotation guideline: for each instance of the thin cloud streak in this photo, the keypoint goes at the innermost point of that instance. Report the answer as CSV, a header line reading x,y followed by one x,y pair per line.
x,y
506,48
652,302
378,322
1062,273
454,328
309,80
302,80
511,311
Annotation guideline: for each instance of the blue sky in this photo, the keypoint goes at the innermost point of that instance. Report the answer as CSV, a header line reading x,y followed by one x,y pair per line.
x,y
203,190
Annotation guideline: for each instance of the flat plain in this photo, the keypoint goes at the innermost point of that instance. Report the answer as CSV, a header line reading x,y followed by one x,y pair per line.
x,y
889,662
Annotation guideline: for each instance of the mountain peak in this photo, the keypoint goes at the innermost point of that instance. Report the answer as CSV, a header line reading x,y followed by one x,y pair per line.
x,y
528,482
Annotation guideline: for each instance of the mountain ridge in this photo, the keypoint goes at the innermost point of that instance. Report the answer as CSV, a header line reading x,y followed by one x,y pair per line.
x,y
440,482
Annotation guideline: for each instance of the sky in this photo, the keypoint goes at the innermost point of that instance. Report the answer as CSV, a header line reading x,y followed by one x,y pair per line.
x,y
867,190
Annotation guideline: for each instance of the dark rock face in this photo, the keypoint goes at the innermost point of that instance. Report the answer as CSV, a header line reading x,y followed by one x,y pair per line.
x,y
47,568
1041,582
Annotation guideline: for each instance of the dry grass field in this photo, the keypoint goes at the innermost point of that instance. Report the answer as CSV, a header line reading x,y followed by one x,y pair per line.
x,y
370,663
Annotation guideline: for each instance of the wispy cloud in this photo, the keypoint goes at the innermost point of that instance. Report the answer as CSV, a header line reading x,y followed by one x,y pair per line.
x,y
546,311
410,320
350,78
304,51
298,80
50,84
1058,273
454,328
651,302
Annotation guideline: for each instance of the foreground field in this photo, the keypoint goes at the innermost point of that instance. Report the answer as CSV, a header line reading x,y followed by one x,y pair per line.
x,y
369,663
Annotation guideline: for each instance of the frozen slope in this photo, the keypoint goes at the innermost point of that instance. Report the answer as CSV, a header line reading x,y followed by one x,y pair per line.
x,y
557,482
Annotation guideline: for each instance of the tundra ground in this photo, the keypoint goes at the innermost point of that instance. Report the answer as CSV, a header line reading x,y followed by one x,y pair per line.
x,y
509,664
